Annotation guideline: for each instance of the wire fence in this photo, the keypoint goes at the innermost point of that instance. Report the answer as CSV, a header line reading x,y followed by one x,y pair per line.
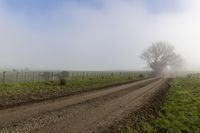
x,y
193,75
43,76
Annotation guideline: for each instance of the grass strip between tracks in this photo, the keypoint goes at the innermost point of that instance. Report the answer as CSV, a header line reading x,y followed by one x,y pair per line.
x,y
181,111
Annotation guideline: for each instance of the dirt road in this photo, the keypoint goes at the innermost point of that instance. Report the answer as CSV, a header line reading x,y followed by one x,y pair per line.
x,y
83,113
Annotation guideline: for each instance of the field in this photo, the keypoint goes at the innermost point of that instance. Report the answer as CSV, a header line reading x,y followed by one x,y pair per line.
x,y
181,111
112,104
14,93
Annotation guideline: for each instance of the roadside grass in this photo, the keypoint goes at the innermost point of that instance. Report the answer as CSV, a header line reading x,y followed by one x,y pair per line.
x,y
11,94
181,111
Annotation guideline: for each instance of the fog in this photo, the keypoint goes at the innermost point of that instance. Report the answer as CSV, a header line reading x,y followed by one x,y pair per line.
x,y
95,35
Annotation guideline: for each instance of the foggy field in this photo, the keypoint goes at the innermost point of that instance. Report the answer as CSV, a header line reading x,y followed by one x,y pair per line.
x,y
181,111
99,66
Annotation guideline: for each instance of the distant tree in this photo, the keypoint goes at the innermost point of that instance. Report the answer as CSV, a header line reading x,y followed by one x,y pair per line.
x,y
161,55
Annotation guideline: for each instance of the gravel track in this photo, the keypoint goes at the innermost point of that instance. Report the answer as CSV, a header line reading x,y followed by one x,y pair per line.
x,y
87,112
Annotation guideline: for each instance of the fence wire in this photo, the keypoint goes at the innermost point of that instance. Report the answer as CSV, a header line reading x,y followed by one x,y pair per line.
x,y
43,76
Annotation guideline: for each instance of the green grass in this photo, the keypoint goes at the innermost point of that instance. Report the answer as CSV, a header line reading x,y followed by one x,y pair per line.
x,y
24,92
181,112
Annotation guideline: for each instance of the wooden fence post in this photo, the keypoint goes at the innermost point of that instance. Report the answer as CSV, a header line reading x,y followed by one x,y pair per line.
x,y
86,75
4,76
17,76
77,75
25,77
52,74
33,77
112,75
39,76
83,75
72,76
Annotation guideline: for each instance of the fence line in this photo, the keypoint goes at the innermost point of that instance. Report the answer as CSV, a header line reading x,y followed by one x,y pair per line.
x,y
194,75
34,76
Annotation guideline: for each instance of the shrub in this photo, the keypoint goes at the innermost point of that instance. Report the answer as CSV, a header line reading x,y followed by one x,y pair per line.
x,y
141,75
62,81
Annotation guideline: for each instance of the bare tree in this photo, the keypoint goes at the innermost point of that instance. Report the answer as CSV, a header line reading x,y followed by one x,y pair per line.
x,y
161,55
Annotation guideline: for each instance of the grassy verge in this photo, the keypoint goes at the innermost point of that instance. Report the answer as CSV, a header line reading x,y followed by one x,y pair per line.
x,y
181,111
19,93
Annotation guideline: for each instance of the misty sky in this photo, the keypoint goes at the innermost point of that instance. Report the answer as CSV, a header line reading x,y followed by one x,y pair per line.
x,y
95,34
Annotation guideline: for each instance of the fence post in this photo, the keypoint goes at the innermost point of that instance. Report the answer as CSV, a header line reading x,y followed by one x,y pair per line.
x,y
72,76
77,75
17,76
39,76
33,77
83,75
25,77
52,74
4,75
112,75
86,75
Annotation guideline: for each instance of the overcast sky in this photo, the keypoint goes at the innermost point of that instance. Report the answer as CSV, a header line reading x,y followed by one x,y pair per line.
x,y
95,34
